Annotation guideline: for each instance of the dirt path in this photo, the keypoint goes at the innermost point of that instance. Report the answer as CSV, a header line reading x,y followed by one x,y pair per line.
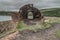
x,y
10,37
46,34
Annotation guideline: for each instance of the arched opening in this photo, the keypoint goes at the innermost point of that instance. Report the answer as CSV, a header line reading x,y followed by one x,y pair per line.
x,y
30,15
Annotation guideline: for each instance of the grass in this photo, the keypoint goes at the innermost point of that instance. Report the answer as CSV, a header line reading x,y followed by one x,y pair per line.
x,y
21,26
7,33
54,13
58,34
6,13
55,18
48,24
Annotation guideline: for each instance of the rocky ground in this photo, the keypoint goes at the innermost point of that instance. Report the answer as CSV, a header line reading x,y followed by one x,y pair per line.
x,y
46,34
7,25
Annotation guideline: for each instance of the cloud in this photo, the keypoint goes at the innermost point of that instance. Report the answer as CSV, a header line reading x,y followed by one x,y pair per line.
x,y
9,5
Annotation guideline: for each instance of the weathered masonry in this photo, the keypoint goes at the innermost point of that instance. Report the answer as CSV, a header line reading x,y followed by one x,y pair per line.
x,y
29,8
25,11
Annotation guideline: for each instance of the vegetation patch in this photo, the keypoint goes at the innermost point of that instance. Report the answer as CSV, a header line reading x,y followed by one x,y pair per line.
x,y
53,17
55,13
46,25
22,26
58,34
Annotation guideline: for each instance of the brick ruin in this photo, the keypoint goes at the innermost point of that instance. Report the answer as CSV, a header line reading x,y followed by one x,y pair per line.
x,y
23,13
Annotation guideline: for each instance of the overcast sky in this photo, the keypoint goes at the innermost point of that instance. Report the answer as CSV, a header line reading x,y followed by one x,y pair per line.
x,y
8,5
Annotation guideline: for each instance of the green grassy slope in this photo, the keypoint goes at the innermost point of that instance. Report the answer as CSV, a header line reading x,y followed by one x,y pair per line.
x,y
45,12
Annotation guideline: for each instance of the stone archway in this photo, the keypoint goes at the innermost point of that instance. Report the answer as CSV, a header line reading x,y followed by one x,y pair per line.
x,y
23,14
29,8
24,11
